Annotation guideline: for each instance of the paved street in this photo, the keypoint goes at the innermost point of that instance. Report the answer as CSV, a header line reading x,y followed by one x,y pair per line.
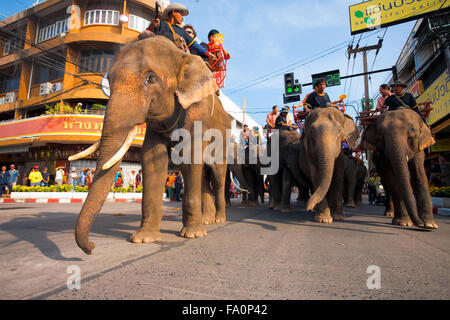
x,y
257,254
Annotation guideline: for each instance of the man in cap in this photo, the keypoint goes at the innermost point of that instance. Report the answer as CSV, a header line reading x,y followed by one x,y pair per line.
x,y
35,177
13,175
170,27
400,99
282,121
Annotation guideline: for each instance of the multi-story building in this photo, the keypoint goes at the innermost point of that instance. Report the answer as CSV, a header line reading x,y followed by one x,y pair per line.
x,y
53,59
424,65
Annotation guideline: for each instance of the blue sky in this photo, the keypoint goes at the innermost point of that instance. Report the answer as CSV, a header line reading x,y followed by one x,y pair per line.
x,y
265,37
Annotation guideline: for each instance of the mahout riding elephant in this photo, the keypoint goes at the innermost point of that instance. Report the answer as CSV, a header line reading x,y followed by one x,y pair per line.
x,y
398,139
321,160
155,83
354,174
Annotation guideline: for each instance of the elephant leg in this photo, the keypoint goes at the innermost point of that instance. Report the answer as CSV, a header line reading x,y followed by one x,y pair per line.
x,y
218,174
286,193
420,187
334,194
276,187
192,202
227,189
389,205
208,206
358,195
350,184
154,167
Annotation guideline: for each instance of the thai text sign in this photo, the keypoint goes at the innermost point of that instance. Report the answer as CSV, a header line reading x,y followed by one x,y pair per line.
x,y
57,125
439,95
371,15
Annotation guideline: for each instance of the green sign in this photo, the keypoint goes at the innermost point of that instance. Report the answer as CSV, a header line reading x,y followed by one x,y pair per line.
x,y
363,103
332,78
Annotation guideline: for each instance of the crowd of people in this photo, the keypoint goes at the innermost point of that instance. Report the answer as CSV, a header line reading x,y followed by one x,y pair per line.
x,y
174,185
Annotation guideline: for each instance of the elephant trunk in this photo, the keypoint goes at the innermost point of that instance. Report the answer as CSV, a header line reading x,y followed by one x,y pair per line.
x,y
323,174
115,134
400,167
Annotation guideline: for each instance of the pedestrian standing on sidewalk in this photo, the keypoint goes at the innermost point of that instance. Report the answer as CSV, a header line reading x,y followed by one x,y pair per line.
x,y
13,175
59,177
178,186
35,177
45,177
4,181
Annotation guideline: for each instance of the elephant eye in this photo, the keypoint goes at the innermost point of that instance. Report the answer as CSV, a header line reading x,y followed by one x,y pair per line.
x,y
150,79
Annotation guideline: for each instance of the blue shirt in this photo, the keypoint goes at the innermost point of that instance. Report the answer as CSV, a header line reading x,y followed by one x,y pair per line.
x,y
13,176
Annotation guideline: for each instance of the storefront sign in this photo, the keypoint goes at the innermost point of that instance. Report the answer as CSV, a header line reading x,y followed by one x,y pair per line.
x,y
417,88
371,15
439,95
442,145
57,125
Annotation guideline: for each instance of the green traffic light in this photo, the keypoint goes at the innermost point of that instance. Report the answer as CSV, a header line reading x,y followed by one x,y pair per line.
x,y
296,89
289,90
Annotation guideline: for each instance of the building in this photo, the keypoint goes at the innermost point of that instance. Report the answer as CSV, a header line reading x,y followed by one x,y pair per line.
x,y
424,65
53,58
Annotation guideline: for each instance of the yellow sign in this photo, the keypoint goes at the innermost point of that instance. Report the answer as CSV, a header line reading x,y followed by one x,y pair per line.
x,y
219,39
372,15
442,145
439,95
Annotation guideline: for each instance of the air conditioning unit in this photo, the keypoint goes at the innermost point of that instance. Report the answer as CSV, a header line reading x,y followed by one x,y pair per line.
x,y
56,87
2,100
10,97
45,88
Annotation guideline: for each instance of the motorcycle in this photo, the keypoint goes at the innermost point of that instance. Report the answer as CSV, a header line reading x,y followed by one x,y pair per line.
x,y
381,195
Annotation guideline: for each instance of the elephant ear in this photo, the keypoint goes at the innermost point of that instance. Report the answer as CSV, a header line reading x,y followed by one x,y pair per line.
x,y
426,137
350,130
195,81
369,138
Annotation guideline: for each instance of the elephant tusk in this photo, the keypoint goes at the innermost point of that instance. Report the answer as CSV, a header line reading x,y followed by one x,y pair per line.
x,y
85,153
123,150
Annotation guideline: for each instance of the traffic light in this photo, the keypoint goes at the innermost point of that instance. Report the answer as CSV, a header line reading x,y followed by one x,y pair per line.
x,y
292,88
289,83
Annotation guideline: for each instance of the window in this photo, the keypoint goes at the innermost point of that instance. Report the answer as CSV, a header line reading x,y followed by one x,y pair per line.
x,y
10,79
99,61
54,29
138,23
48,69
7,48
110,17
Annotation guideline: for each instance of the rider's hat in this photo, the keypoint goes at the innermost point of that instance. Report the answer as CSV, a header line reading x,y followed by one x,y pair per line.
x,y
398,83
285,109
175,7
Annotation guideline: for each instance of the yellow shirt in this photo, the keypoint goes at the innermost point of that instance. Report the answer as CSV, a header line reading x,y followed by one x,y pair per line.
x,y
35,176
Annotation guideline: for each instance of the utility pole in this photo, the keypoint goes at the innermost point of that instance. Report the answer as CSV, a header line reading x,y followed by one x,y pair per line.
x,y
243,109
366,76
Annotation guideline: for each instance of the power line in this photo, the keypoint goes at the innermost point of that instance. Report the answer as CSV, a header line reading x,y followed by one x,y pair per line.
x,y
296,65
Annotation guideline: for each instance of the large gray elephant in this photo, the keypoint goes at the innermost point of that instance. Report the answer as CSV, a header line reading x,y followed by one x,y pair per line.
x,y
155,83
354,174
321,160
398,139
315,161
289,173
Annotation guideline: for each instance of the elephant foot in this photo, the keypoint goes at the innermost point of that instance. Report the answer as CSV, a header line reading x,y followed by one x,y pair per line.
x,y
338,217
322,218
403,222
221,218
277,208
286,210
389,214
145,236
206,220
192,232
228,204
253,204
430,224
359,203
349,204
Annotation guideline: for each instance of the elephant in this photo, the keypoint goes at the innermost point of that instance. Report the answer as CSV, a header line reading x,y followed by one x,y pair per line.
x,y
354,174
321,160
289,173
249,177
154,82
398,139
